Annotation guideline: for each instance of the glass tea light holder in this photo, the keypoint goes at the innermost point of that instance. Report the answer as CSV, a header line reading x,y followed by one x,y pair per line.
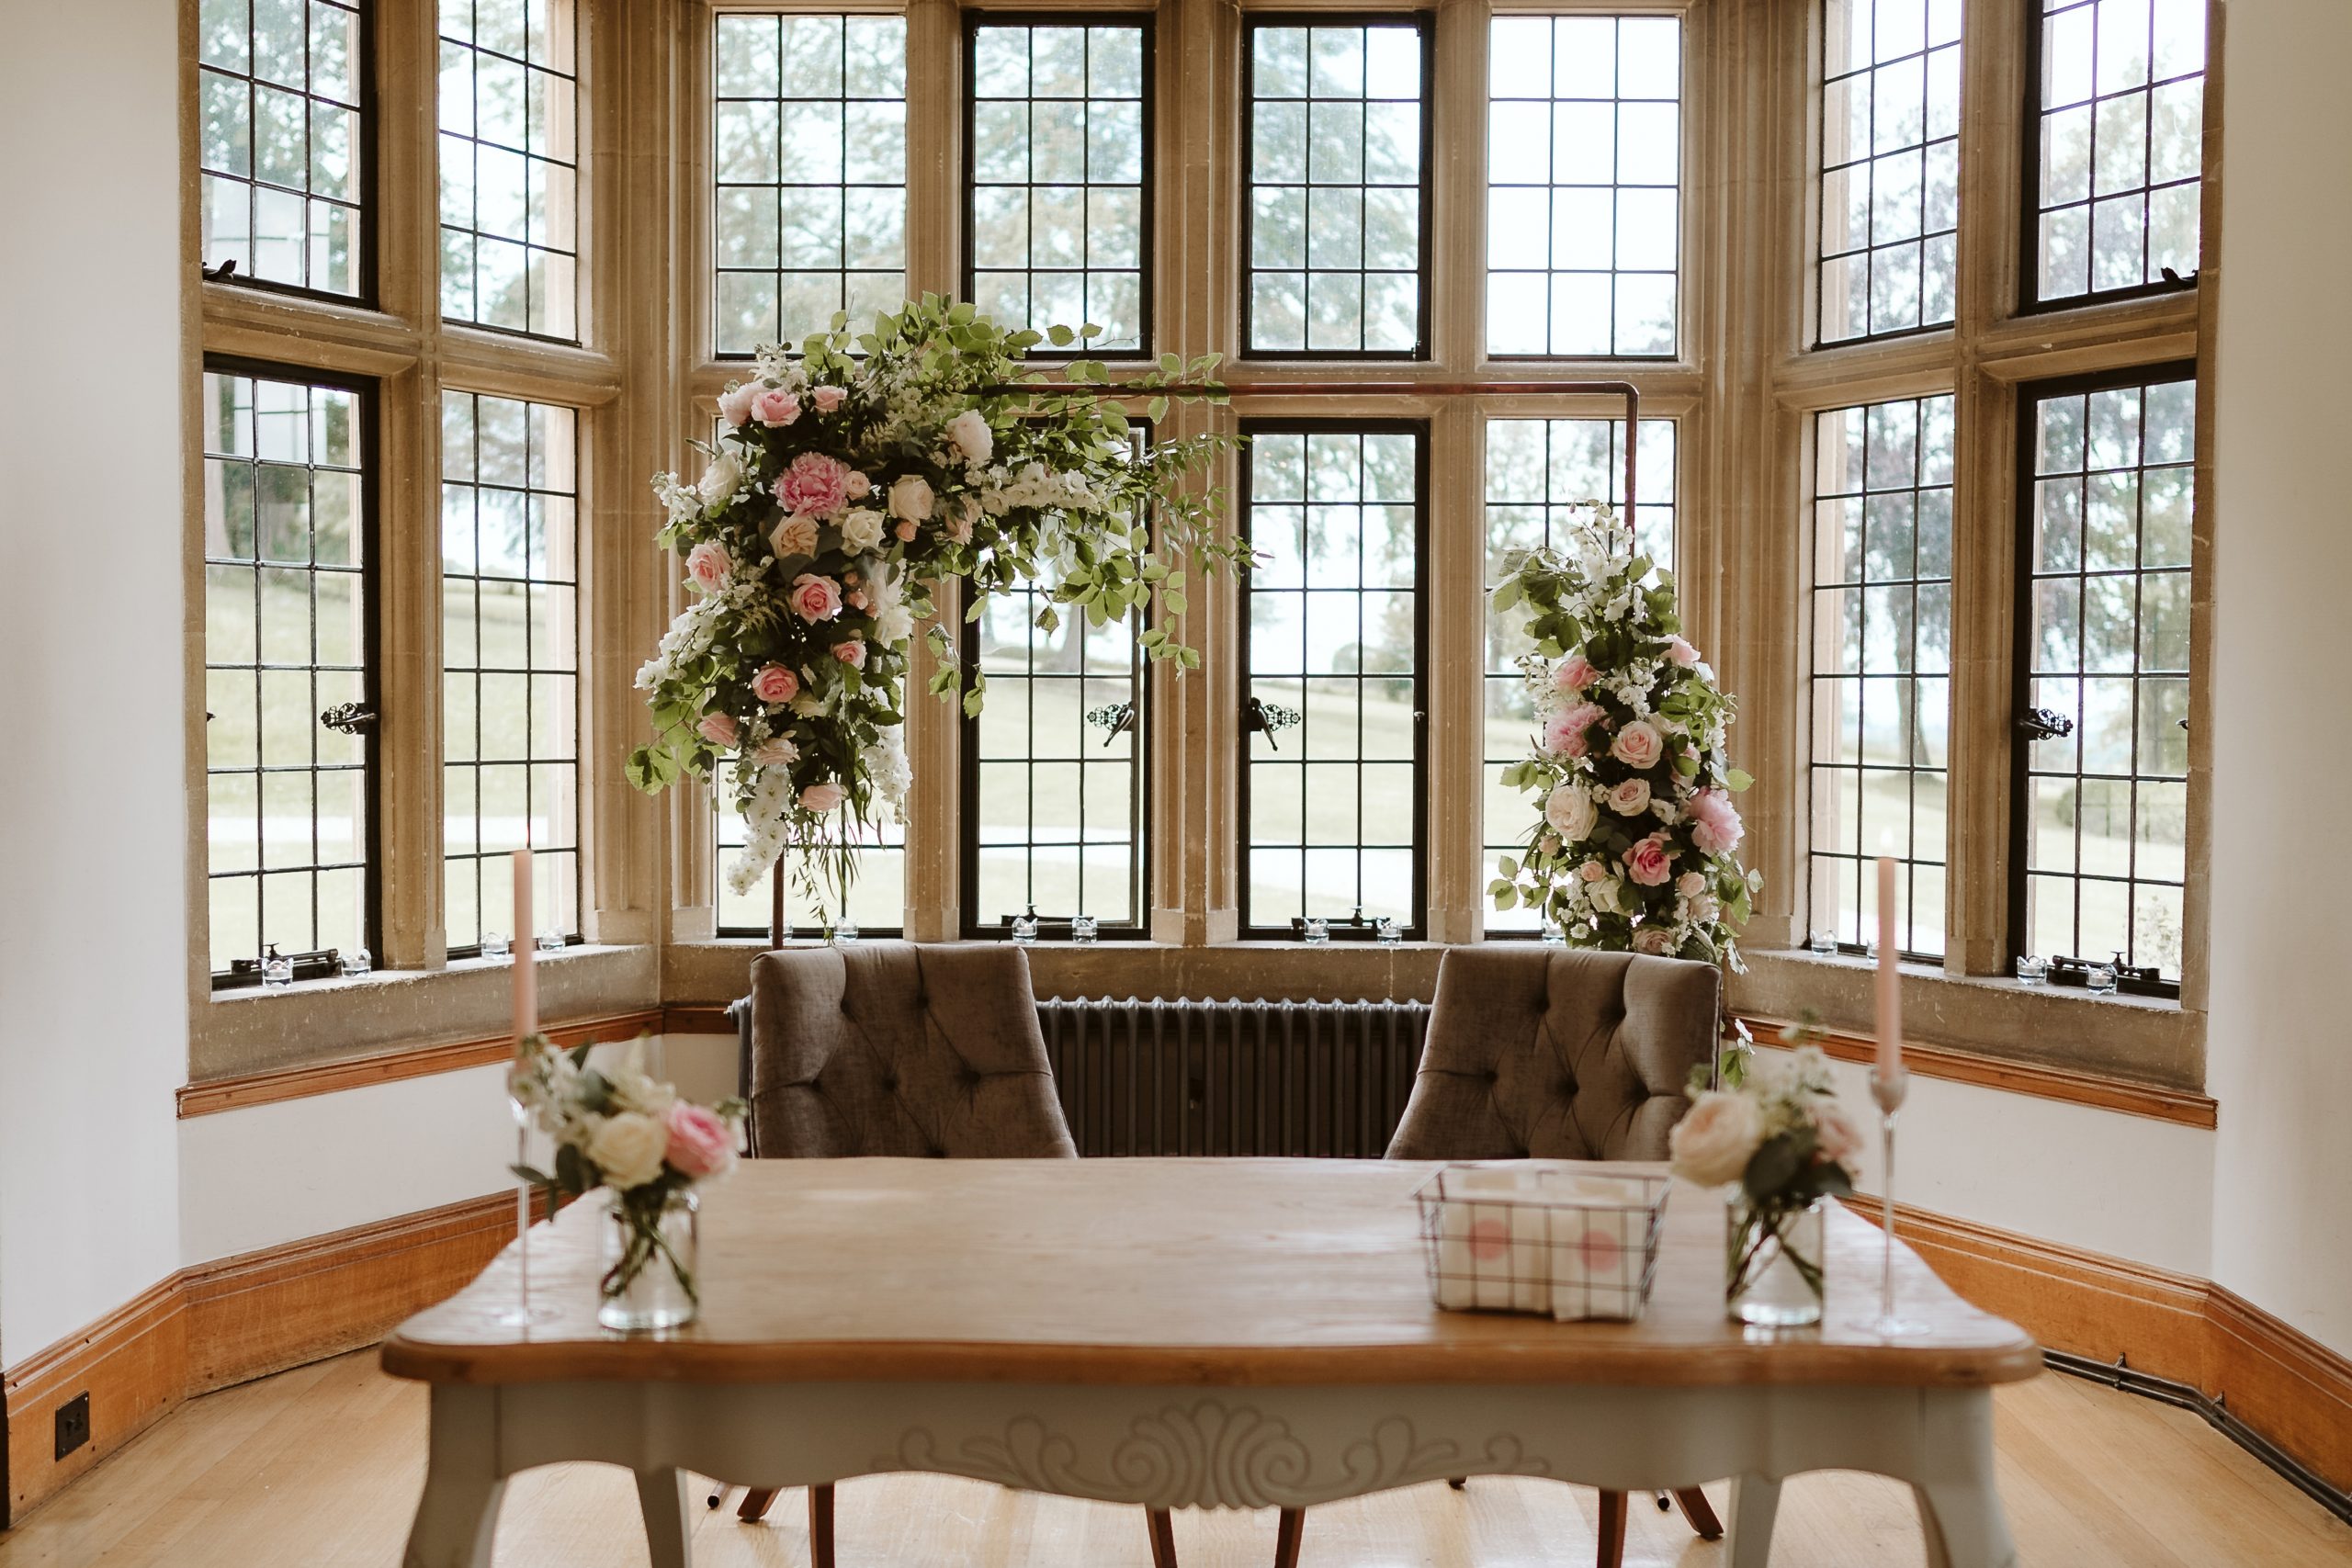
x,y
276,969
845,932
2101,980
1319,929
1025,930
1554,934
494,945
1822,944
2033,970
550,941
1388,930
1082,928
355,960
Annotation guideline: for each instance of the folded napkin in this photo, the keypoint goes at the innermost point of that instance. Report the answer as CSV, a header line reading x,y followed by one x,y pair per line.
x,y
1599,1233
1492,1239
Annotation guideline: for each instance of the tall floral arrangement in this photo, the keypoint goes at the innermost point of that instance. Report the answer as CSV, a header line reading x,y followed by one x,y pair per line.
x,y
853,475
1634,849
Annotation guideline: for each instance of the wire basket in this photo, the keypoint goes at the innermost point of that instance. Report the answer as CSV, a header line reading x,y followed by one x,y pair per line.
x,y
1542,1239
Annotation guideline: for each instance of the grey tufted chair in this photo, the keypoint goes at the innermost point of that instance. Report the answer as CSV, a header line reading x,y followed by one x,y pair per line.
x,y
1557,1054
891,1048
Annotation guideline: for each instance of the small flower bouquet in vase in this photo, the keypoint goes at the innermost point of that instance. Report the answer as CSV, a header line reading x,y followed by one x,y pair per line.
x,y
1777,1131
629,1133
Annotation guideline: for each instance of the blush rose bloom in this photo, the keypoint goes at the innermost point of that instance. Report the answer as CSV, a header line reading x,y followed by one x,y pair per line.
x,y
1713,1143
1649,863
1571,809
775,752
1655,941
774,407
1681,652
910,498
1575,675
1564,736
630,1149
814,486
700,1144
1630,798
852,652
860,487
795,535
719,729
816,598
827,399
776,685
1838,1135
821,797
1638,745
708,565
861,530
1592,871
1690,883
1714,822
735,403
970,436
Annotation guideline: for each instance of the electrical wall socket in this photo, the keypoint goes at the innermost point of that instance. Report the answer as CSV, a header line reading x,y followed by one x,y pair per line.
x,y
72,1423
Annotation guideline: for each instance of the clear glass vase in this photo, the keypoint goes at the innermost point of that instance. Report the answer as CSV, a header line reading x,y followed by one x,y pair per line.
x,y
1772,1262
649,1255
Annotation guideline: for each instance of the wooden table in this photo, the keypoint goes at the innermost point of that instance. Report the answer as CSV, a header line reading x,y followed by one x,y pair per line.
x,y
1181,1333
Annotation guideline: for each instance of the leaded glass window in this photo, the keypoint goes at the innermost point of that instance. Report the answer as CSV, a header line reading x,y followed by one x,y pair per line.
x,y
1336,224
1881,666
510,156
1583,185
280,84
1332,786
2102,810
810,158
287,666
1058,221
1890,165
510,664
876,903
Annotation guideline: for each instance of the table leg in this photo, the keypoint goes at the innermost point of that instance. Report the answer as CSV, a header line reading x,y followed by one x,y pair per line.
x,y
459,1513
669,1519
1753,1501
1959,1507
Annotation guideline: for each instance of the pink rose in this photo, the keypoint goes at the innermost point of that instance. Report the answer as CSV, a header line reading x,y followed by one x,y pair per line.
x,y
735,403
708,565
906,532
1836,1136
821,797
1576,674
1649,862
1564,736
852,652
1713,1142
815,485
774,407
795,535
1656,941
860,487
1714,822
719,729
816,598
827,399
775,752
1681,652
854,600
1638,745
776,685
700,1144
1592,871
1630,798
1690,883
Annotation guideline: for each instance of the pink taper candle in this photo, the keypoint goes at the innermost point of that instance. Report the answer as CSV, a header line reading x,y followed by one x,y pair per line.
x,y
526,982
1890,984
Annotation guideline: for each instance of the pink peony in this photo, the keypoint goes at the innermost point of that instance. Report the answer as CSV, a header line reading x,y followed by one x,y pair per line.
x,y
827,399
1649,862
775,407
776,685
1638,745
795,535
735,403
719,729
1656,941
1836,1136
1630,798
700,1144
1563,735
1681,652
775,752
821,797
815,485
1714,822
1576,674
816,598
708,565
852,652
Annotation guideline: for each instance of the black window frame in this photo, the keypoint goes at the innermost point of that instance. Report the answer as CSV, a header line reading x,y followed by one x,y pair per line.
x,y
1244,505
1425,23
1146,22
368,392
2031,395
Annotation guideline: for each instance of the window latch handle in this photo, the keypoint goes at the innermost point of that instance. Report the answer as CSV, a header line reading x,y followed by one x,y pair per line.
x,y
351,718
2044,724
1266,718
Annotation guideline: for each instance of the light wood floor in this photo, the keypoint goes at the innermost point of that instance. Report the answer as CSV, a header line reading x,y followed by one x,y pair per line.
x,y
318,1468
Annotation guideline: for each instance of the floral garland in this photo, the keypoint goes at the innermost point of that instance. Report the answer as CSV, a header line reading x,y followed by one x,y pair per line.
x,y
1634,850
852,477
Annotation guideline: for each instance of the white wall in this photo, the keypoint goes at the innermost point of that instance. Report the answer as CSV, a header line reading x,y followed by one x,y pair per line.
x,y
93,939
2280,1054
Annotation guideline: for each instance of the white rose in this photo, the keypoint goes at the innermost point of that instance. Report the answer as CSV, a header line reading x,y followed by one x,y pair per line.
x,y
721,481
1569,809
862,529
629,1149
1630,798
971,436
910,498
1690,883
1713,1142
735,403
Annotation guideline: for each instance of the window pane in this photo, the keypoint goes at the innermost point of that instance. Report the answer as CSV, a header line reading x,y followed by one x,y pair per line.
x,y
1880,639
283,183
1333,661
2116,182
1583,185
810,175
1060,194
1890,166
876,902
510,664
510,178
289,796
1541,473
1339,193
2105,646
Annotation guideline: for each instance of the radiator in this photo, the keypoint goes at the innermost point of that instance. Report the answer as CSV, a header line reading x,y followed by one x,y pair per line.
x,y
1327,1079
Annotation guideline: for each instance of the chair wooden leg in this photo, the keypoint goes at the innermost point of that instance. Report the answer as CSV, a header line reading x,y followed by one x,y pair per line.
x,y
1613,1530
756,1503
1163,1537
1702,1516
1288,1531
1457,1482
821,1525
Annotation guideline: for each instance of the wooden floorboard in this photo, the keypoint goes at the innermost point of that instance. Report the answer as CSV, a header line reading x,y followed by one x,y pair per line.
x,y
318,1468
